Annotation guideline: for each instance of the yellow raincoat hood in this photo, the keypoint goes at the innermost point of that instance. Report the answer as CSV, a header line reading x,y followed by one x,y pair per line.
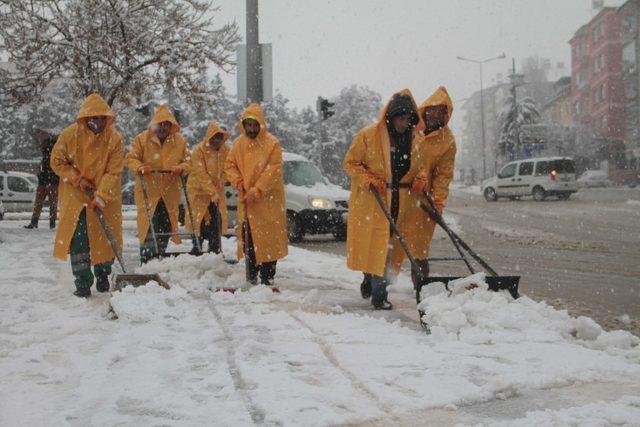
x,y
253,111
439,97
164,114
94,106
212,130
382,121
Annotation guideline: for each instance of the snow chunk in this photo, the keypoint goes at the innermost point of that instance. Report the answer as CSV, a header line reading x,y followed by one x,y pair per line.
x,y
148,302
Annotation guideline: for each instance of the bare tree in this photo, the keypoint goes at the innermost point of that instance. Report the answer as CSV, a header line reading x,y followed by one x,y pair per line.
x,y
119,48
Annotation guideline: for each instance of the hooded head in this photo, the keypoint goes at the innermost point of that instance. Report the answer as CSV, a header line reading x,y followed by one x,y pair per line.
x,y
400,105
95,114
164,115
438,108
252,112
212,131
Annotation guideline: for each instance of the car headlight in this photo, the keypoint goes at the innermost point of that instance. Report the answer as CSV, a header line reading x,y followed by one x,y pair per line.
x,y
318,203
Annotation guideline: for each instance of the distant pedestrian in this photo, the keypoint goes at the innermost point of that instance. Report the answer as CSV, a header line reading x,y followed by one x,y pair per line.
x,y
47,180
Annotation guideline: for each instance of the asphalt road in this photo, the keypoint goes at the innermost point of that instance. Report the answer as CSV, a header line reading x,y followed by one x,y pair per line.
x,y
582,255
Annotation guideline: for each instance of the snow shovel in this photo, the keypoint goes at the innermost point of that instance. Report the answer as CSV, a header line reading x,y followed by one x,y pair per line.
x,y
403,243
124,279
154,234
495,281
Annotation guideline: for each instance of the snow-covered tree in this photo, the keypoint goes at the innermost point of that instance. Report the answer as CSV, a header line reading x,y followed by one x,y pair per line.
x,y
512,118
121,49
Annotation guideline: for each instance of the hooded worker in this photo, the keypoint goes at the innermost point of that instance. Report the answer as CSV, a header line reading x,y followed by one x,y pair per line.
x,y
254,169
88,158
437,150
205,187
384,158
159,148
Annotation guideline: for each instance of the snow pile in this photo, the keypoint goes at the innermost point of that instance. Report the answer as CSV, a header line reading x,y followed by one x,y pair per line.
x,y
148,302
476,316
254,294
194,273
625,411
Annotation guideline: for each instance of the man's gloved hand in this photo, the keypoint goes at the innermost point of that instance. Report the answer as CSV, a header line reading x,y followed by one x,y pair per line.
x,y
97,203
176,170
254,195
380,185
439,206
85,184
215,198
145,169
418,184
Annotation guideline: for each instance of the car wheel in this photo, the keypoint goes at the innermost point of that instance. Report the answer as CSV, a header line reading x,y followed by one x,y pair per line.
x,y
295,232
633,184
490,194
538,194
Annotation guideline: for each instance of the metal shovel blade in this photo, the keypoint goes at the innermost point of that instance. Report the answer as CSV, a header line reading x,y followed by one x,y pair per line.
x,y
496,283
136,280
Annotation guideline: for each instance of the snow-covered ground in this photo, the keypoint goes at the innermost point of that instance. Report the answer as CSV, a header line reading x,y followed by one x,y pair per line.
x,y
313,355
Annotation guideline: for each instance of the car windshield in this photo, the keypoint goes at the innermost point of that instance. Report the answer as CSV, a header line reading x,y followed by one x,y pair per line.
x,y
32,179
302,174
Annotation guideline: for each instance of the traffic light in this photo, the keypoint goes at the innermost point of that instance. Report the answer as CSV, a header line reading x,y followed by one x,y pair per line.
x,y
322,106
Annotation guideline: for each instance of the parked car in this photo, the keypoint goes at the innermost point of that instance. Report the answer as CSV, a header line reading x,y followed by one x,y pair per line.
x,y
314,205
18,191
128,191
536,177
594,178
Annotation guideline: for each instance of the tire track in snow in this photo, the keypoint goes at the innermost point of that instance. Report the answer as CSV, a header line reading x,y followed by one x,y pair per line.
x,y
355,381
257,415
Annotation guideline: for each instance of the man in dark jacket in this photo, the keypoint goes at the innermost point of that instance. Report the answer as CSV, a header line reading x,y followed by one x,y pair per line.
x,y
47,180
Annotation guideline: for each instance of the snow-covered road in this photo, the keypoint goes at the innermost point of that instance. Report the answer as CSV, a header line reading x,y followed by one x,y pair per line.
x,y
313,355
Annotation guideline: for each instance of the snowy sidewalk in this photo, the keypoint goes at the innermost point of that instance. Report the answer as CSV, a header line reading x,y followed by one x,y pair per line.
x,y
313,355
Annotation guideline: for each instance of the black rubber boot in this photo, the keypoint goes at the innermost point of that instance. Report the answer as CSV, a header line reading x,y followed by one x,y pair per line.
x,y
83,293
385,305
52,224
102,284
31,225
365,286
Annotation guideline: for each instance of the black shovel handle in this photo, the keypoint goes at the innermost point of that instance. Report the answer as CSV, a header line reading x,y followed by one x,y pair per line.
x,y
107,231
403,243
440,221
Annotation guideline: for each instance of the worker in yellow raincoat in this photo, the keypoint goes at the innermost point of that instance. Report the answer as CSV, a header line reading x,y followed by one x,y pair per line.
x,y
385,158
160,147
205,187
88,157
437,152
254,169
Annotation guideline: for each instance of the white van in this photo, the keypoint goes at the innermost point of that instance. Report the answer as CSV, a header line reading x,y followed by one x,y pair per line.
x,y
314,205
18,191
537,177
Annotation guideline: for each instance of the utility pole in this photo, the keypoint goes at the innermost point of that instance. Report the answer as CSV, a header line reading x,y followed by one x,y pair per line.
x,y
254,57
516,80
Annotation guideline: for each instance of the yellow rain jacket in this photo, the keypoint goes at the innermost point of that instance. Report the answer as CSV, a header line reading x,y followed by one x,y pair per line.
x,y
147,150
207,178
257,163
437,154
81,153
368,230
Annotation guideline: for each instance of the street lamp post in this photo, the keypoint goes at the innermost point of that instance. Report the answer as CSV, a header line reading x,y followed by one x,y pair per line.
x,y
480,62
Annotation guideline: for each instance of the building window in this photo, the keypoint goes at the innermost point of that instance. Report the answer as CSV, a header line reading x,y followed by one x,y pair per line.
x,y
599,63
629,24
629,57
598,32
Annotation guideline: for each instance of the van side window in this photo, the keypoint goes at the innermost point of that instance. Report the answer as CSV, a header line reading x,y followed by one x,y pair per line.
x,y
508,171
18,185
542,168
526,168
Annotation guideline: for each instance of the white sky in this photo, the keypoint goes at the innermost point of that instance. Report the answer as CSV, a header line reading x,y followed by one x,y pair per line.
x,y
321,46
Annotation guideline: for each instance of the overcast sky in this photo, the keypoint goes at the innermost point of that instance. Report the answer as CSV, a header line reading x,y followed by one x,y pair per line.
x,y
321,46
